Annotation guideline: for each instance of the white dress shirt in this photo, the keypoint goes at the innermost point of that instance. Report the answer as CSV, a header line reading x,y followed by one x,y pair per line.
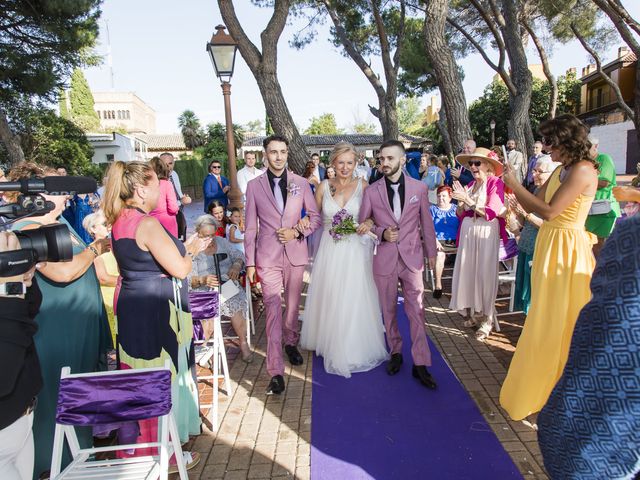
x,y
245,174
176,183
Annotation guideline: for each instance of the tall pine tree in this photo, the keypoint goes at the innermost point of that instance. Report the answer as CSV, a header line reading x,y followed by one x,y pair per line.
x,y
82,104
63,104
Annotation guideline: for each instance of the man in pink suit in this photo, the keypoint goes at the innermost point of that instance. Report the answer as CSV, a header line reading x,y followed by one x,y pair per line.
x,y
278,250
399,207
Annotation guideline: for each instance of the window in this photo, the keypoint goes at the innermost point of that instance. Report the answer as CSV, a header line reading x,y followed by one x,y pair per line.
x,y
599,98
98,112
128,116
110,157
113,114
119,114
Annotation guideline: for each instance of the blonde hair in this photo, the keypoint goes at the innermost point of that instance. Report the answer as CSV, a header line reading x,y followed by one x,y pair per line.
x,y
119,188
341,148
92,220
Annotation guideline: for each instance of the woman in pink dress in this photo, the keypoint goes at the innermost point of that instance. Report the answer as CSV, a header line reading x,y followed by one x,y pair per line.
x,y
168,206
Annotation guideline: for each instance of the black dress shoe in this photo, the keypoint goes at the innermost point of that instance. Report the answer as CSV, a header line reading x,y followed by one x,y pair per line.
x,y
294,355
437,293
394,364
276,385
421,373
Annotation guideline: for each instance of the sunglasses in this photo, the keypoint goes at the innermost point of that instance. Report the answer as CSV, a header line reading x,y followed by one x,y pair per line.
x,y
217,167
475,163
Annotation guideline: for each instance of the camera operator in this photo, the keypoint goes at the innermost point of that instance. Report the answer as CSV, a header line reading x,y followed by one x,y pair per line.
x,y
72,323
20,380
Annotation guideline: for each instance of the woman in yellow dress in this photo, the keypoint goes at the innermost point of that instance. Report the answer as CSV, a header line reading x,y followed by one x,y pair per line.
x,y
106,266
562,266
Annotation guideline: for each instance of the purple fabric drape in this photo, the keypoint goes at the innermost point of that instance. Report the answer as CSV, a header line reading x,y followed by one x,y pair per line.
x,y
204,305
112,399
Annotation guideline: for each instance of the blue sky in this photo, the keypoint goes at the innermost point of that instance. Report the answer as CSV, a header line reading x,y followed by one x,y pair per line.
x,y
158,52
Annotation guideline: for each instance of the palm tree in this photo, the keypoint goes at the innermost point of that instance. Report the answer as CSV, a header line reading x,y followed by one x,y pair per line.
x,y
191,130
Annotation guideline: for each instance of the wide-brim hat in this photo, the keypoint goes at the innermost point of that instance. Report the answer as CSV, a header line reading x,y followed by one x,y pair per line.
x,y
485,154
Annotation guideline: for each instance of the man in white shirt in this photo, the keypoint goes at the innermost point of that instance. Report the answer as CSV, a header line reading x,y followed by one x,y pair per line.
x,y
247,173
362,170
516,159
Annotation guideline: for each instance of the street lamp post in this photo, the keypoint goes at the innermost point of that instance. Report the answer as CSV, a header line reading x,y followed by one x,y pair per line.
x,y
492,124
222,50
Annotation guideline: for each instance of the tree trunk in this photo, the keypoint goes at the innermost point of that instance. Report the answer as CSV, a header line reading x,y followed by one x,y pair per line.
x,y
442,128
546,67
454,103
281,121
519,125
263,66
10,140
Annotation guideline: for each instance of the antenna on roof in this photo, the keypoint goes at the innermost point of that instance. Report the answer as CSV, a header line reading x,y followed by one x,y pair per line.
x,y
109,58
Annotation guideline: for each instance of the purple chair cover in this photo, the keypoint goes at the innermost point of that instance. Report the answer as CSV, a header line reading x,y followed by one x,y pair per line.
x,y
203,305
508,249
113,399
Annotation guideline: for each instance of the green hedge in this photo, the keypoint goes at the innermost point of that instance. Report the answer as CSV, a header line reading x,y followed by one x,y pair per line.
x,y
192,171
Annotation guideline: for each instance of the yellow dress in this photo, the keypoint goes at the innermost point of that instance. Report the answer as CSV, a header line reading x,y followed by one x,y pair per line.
x,y
111,266
562,266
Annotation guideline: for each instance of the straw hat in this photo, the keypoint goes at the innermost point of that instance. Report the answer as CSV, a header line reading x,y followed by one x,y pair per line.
x,y
485,154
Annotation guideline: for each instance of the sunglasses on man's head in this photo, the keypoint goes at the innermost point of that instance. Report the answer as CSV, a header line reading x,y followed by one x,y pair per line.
x,y
475,163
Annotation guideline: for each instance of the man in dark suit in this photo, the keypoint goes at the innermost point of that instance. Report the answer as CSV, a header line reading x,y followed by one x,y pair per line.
x,y
460,173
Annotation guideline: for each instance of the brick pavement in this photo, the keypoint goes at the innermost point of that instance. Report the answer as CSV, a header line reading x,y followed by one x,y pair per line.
x,y
269,437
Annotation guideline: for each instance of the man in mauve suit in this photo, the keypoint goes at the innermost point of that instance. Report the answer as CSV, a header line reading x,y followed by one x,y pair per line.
x,y
399,208
277,248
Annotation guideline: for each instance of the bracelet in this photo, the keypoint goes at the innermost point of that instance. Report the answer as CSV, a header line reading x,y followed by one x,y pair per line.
x,y
93,249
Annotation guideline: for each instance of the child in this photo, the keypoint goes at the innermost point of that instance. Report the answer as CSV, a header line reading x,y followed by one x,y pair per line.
x,y
235,229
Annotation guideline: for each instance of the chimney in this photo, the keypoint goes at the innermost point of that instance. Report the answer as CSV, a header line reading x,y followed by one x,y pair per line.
x,y
622,51
571,71
585,71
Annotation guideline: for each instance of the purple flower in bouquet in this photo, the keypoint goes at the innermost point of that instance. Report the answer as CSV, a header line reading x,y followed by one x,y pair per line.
x,y
342,224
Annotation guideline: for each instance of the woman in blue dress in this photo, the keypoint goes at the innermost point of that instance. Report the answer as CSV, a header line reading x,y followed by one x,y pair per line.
x,y
446,225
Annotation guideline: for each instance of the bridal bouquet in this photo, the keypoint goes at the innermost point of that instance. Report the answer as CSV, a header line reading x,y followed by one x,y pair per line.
x,y
342,224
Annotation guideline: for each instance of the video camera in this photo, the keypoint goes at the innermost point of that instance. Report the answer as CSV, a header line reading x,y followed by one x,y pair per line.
x,y
49,243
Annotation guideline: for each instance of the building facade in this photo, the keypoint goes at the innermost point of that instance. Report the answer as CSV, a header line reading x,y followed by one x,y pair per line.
x,y
109,147
600,110
124,110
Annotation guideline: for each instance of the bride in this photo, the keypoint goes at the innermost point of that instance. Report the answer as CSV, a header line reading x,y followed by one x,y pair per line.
x,y
342,320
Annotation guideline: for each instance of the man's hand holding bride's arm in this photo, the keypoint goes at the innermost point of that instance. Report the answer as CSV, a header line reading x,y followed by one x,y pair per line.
x,y
303,224
365,227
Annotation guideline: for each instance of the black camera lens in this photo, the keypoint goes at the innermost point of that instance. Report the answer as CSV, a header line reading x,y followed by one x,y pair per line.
x,y
52,243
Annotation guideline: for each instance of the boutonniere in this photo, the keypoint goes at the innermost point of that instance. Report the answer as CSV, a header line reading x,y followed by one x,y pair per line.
x,y
293,189
413,199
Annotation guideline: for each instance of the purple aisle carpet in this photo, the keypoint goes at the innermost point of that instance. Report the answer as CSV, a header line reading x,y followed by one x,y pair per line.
x,y
374,426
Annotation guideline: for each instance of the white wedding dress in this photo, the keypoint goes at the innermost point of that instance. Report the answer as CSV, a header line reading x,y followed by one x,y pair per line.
x,y
342,320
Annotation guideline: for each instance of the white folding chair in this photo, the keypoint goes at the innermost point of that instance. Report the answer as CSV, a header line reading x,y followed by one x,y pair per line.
x,y
507,270
214,347
106,399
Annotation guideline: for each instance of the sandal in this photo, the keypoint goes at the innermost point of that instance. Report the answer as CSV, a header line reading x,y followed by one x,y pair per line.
x,y
190,459
470,322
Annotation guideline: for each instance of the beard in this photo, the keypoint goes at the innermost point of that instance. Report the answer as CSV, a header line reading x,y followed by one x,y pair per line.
x,y
393,171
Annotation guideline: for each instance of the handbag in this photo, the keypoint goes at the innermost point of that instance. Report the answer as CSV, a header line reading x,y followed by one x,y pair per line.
x,y
600,207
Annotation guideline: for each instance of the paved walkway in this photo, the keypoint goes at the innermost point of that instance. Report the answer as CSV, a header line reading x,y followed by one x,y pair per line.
x,y
264,437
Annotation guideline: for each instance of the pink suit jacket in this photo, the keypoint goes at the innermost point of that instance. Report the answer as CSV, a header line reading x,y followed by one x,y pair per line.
x,y
415,221
263,219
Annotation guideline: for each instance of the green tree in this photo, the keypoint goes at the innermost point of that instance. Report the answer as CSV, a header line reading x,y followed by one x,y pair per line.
x,y
410,114
191,130
51,140
40,43
325,124
82,104
254,126
363,127
494,105
63,105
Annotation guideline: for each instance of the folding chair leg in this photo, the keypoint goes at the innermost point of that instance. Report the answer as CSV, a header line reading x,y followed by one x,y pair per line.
x,y
177,448
223,357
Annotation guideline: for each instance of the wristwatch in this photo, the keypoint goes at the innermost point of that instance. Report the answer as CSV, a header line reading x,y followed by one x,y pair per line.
x,y
12,289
